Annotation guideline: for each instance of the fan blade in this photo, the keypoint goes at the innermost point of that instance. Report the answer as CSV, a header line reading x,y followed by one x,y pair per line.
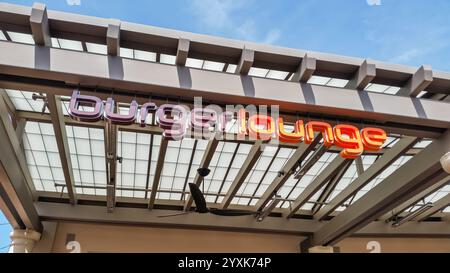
x,y
199,199
232,212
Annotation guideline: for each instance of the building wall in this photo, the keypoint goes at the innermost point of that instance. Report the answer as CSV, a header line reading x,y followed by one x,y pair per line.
x,y
116,238
395,245
120,238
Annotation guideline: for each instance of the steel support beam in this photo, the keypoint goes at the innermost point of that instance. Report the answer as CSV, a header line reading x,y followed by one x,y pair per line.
x,y
296,159
419,173
365,74
305,70
398,210
111,164
97,70
277,225
418,82
437,206
39,25
329,188
245,169
328,173
182,51
16,182
206,160
59,127
377,167
158,171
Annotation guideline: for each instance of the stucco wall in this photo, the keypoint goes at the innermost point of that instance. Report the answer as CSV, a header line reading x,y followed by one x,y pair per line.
x,y
118,238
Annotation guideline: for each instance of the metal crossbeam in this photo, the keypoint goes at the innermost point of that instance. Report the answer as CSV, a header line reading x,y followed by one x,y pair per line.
x,y
158,171
379,166
419,173
246,167
296,159
59,127
331,170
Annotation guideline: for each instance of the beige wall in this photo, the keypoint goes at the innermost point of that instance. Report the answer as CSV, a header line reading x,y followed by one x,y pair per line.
x,y
119,238
395,245
115,238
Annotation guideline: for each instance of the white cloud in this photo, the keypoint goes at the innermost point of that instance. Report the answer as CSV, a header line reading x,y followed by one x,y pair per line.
x,y
73,2
215,13
272,36
408,55
374,2
226,16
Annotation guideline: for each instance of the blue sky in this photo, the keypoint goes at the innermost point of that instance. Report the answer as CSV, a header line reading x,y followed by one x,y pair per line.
x,y
412,32
4,233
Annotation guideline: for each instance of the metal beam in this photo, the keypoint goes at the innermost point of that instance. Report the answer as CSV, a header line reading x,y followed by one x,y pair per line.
x,y
414,176
398,210
377,167
437,206
20,129
31,61
246,167
296,159
111,164
329,188
330,170
113,38
365,74
359,166
59,127
305,70
246,61
277,225
15,178
206,160
39,25
182,51
7,208
150,38
158,171
418,82
9,104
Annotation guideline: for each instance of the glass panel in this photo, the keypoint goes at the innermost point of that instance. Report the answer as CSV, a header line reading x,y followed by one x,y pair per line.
x,y
388,171
215,66
276,74
145,56
2,36
42,157
96,48
175,168
231,68
87,151
167,59
23,100
194,63
70,44
258,72
21,37
126,53
291,191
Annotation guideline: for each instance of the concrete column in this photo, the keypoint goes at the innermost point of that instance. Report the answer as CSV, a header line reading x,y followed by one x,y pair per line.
x,y
23,240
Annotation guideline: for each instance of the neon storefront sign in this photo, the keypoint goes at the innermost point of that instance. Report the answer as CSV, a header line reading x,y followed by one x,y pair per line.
x,y
176,120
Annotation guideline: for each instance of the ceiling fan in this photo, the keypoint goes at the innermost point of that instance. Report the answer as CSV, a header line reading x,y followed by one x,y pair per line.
x,y
200,201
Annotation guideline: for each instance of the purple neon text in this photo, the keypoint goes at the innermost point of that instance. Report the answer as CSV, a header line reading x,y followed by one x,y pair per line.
x,y
173,119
